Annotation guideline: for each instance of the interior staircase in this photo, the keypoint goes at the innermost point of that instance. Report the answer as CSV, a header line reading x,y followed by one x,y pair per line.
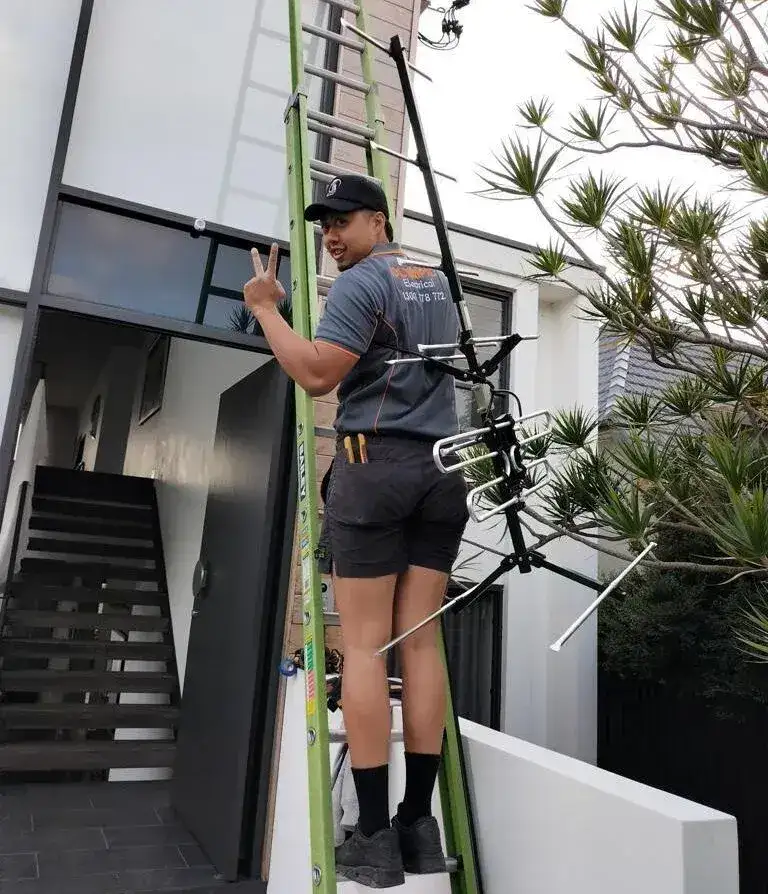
x,y
88,680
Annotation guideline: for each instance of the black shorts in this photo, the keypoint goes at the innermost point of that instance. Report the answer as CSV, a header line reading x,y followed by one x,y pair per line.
x,y
393,511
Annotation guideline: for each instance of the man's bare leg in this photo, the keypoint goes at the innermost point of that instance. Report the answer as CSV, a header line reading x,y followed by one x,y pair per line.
x,y
420,592
365,612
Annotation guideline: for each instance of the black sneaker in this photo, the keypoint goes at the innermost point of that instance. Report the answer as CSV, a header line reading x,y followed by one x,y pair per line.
x,y
374,862
420,846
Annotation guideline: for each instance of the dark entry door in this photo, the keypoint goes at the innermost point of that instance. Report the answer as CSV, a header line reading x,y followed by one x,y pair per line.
x,y
236,607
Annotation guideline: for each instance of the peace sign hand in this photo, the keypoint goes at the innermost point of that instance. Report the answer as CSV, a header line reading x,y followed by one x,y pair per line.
x,y
264,291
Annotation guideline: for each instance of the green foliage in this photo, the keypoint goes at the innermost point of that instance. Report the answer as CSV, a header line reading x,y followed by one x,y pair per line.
x,y
751,629
625,28
574,428
637,411
536,113
591,128
591,200
677,628
686,277
242,320
285,311
522,171
550,260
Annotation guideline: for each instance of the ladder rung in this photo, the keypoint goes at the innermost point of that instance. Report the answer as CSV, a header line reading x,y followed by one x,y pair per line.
x,y
324,284
410,161
351,83
331,619
333,36
340,123
324,167
321,178
324,173
382,46
337,134
339,736
345,4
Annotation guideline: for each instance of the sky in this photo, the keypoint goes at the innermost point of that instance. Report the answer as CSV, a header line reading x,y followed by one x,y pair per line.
x,y
507,54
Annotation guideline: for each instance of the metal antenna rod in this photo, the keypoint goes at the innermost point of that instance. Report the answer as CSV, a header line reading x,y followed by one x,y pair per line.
x,y
505,565
558,644
397,52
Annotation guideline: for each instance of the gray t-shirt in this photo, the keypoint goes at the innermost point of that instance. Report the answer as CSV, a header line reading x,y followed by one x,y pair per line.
x,y
384,305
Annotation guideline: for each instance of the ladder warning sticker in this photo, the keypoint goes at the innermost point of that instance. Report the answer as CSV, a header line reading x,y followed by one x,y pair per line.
x,y
305,571
309,667
418,284
302,473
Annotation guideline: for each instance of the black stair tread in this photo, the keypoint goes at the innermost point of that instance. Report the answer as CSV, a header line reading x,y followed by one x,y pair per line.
x,y
99,527
98,570
86,681
69,648
112,550
69,716
86,620
86,755
93,485
25,593
90,509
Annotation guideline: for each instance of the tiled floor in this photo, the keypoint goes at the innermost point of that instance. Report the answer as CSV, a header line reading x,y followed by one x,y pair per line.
x,y
100,838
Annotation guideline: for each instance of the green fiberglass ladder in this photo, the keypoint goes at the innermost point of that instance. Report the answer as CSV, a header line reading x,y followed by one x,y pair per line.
x,y
302,172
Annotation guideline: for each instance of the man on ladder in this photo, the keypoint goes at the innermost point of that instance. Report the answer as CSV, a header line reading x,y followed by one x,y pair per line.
x,y
393,521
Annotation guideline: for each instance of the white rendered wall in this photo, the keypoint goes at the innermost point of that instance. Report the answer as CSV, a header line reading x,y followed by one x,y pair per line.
x,y
289,863
181,107
36,40
31,452
548,699
544,822
175,447
11,319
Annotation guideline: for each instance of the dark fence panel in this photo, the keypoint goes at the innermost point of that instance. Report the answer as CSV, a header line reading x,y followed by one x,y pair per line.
x,y
473,646
714,754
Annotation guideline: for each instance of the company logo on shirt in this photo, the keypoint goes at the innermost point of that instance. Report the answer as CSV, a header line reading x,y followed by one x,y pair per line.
x,y
411,271
418,284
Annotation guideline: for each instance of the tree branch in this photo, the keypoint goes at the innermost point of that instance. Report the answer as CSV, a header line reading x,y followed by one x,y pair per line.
x,y
627,144
627,557
752,56
652,113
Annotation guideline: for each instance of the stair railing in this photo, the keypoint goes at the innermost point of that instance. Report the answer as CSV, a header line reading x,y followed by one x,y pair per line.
x,y
17,526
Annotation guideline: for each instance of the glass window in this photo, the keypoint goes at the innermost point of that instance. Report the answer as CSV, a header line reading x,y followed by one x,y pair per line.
x,y
117,260
488,318
234,267
227,313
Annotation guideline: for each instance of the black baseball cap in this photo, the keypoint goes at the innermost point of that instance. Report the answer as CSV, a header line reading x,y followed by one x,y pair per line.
x,y
350,192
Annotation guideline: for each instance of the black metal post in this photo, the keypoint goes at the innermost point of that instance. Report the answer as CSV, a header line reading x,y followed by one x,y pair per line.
x,y
538,561
506,564
397,52
20,505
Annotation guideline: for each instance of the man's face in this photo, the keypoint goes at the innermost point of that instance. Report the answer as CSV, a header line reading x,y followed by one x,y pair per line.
x,y
350,236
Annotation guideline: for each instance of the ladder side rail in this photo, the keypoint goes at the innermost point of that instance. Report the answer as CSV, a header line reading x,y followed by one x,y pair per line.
x,y
304,305
378,164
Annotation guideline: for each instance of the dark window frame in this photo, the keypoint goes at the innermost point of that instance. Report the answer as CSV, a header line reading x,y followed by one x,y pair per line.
x,y
505,296
13,297
217,234
495,594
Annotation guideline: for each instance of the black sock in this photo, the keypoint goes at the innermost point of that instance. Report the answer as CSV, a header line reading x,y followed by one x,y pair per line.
x,y
372,785
420,776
